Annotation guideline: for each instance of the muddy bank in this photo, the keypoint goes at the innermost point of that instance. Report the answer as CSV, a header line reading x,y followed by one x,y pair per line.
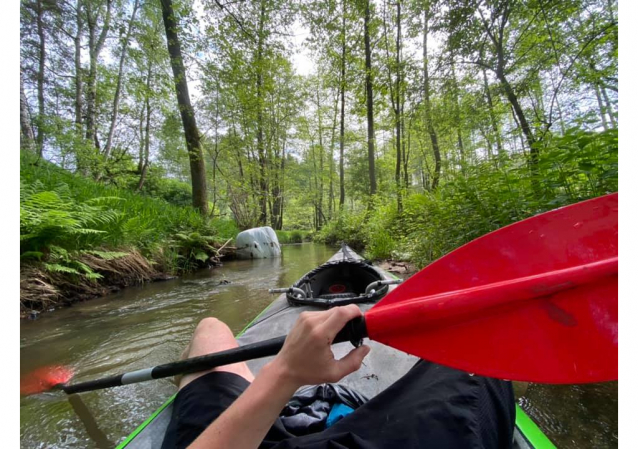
x,y
42,290
399,268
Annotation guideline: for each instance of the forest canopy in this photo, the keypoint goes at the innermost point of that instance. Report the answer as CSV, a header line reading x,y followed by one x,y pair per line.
x,y
405,127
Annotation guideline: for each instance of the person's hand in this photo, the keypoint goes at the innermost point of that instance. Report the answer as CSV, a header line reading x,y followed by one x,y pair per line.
x,y
306,357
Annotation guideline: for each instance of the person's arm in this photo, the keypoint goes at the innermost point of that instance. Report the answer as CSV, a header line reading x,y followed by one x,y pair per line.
x,y
305,359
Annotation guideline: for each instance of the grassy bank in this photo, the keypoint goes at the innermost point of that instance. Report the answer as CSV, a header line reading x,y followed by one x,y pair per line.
x,y
485,197
80,238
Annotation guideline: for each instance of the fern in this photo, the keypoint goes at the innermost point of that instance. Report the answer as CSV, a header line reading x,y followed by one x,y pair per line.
x,y
60,209
201,256
106,255
58,268
31,255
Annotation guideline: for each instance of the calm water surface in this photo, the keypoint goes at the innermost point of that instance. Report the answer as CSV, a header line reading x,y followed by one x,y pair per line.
x,y
145,326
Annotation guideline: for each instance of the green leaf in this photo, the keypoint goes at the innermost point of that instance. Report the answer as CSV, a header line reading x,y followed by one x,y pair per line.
x,y
57,268
201,256
31,255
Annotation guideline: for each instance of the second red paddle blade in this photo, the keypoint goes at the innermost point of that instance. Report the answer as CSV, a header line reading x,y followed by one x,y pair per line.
x,y
45,379
568,337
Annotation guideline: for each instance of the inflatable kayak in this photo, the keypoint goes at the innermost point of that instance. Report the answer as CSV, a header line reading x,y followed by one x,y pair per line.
x,y
344,279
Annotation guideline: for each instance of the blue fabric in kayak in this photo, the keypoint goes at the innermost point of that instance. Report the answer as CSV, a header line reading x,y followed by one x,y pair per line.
x,y
337,412
308,410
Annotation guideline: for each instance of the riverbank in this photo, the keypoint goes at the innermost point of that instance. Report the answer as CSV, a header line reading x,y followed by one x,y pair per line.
x,y
82,239
399,268
42,290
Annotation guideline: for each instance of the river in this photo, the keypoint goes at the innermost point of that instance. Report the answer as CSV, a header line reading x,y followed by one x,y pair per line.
x,y
148,325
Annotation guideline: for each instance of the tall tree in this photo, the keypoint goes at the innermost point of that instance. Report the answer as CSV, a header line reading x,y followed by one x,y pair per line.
x,y
426,99
493,121
369,98
261,152
118,86
41,66
457,114
96,44
396,97
77,59
27,140
191,133
342,118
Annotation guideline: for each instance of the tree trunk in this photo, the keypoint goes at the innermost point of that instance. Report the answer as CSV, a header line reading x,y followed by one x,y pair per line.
x,y
342,88
369,105
499,48
522,121
147,129
331,198
77,41
493,121
457,116
610,110
118,86
27,140
261,153
239,164
140,158
144,167
488,141
193,145
520,131
601,109
280,221
397,111
406,154
428,114
95,47
277,192
561,121
41,65
320,203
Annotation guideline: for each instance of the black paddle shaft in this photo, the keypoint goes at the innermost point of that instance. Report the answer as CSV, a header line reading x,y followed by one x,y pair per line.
x,y
354,331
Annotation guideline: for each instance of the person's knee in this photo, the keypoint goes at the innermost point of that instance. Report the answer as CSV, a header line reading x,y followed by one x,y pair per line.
x,y
212,326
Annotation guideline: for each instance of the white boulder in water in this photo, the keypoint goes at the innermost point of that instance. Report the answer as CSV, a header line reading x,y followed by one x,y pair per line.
x,y
257,243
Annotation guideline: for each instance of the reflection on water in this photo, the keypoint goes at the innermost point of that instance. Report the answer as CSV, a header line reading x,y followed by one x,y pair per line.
x,y
145,326
575,416
136,328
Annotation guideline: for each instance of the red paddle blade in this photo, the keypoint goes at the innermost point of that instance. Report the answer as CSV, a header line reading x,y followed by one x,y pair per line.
x,y
534,301
45,379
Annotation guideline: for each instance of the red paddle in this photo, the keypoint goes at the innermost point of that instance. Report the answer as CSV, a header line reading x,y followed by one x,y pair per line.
x,y
534,301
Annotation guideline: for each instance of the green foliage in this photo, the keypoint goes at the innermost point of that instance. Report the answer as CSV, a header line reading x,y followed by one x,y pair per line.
x,y
380,243
63,261
489,195
48,216
157,186
295,236
572,168
64,216
192,249
371,229
347,227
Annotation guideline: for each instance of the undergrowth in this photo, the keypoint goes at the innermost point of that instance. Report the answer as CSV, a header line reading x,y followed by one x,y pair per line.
x,y
486,196
76,228
296,236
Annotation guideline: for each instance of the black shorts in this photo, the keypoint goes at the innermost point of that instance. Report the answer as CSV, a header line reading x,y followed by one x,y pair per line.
x,y
431,406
